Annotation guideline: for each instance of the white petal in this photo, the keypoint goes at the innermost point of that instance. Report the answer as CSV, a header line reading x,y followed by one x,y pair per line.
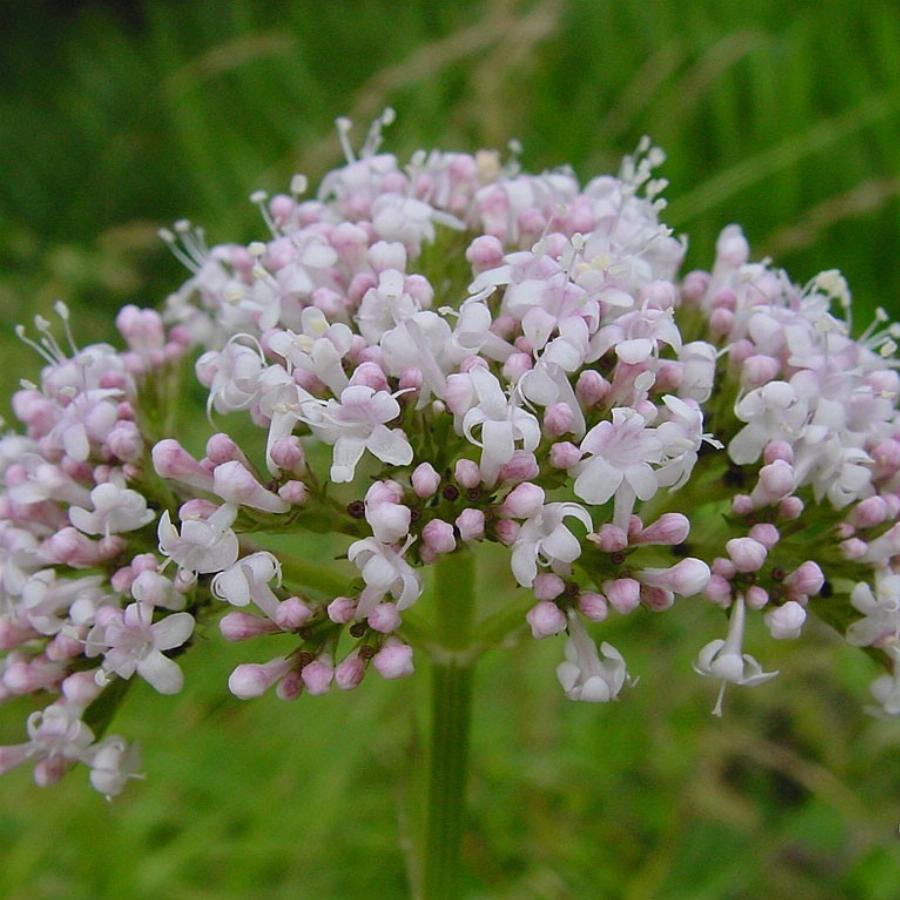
x,y
390,446
172,631
347,453
161,673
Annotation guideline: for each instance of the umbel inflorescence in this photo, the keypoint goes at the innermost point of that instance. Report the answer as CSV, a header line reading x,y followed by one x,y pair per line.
x,y
429,358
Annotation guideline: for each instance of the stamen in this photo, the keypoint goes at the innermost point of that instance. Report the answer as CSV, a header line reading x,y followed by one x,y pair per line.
x,y
374,137
260,198
22,336
299,185
63,312
343,125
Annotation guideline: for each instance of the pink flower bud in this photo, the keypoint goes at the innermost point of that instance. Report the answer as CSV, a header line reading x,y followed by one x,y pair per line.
x,y
467,473
370,375
64,647
317,675
756,597
504,326
125,441
778,450
791,508
623,594
438,536
196,509
425,480
13,634
776,481
558,419
341,610
687,577
240,626
470,524
591,387
785,622
292,613
290,687
121,579
742,505
171,460
220,448
49,771
870,512
766,534
410,379
610,538
294,492
732,248
593,606
564,455
236,484
516,365
521,467
721,321
393,660
747,554
668,529
545,619
250,680
718,589
656,599
669,377
694,285
548,586
81,688
523,501
287,454
507,531
807,579
349,672
384,618
759,370
740,350
387,491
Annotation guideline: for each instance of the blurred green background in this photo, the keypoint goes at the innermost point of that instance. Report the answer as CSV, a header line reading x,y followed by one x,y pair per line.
x,y
116,118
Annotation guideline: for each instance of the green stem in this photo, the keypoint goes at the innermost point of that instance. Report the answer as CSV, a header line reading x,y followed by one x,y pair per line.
x,y
451,709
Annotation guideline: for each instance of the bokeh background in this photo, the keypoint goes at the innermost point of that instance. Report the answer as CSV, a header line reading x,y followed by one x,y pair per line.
x,y
119,117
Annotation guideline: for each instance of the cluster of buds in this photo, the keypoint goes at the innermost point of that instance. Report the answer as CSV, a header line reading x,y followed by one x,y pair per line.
x,y
431,357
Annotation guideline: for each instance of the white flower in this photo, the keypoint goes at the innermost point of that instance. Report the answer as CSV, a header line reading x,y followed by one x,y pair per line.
x,y
130,643
421,341
232,374
116,510
384,571
318,349
384,306
502,425
681,436
621,453
56,737
726,661
356,423
773,412
546,539
113,763
886,689
248,579
204,545
583,675
881,611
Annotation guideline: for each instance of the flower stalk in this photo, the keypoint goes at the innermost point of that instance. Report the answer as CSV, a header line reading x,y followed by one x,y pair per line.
x,y
452,671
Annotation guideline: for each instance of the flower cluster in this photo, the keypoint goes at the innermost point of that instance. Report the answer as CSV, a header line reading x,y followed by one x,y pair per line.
x,y
428,358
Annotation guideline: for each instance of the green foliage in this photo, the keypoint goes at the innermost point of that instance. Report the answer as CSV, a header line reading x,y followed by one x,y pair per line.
x,y
781,116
